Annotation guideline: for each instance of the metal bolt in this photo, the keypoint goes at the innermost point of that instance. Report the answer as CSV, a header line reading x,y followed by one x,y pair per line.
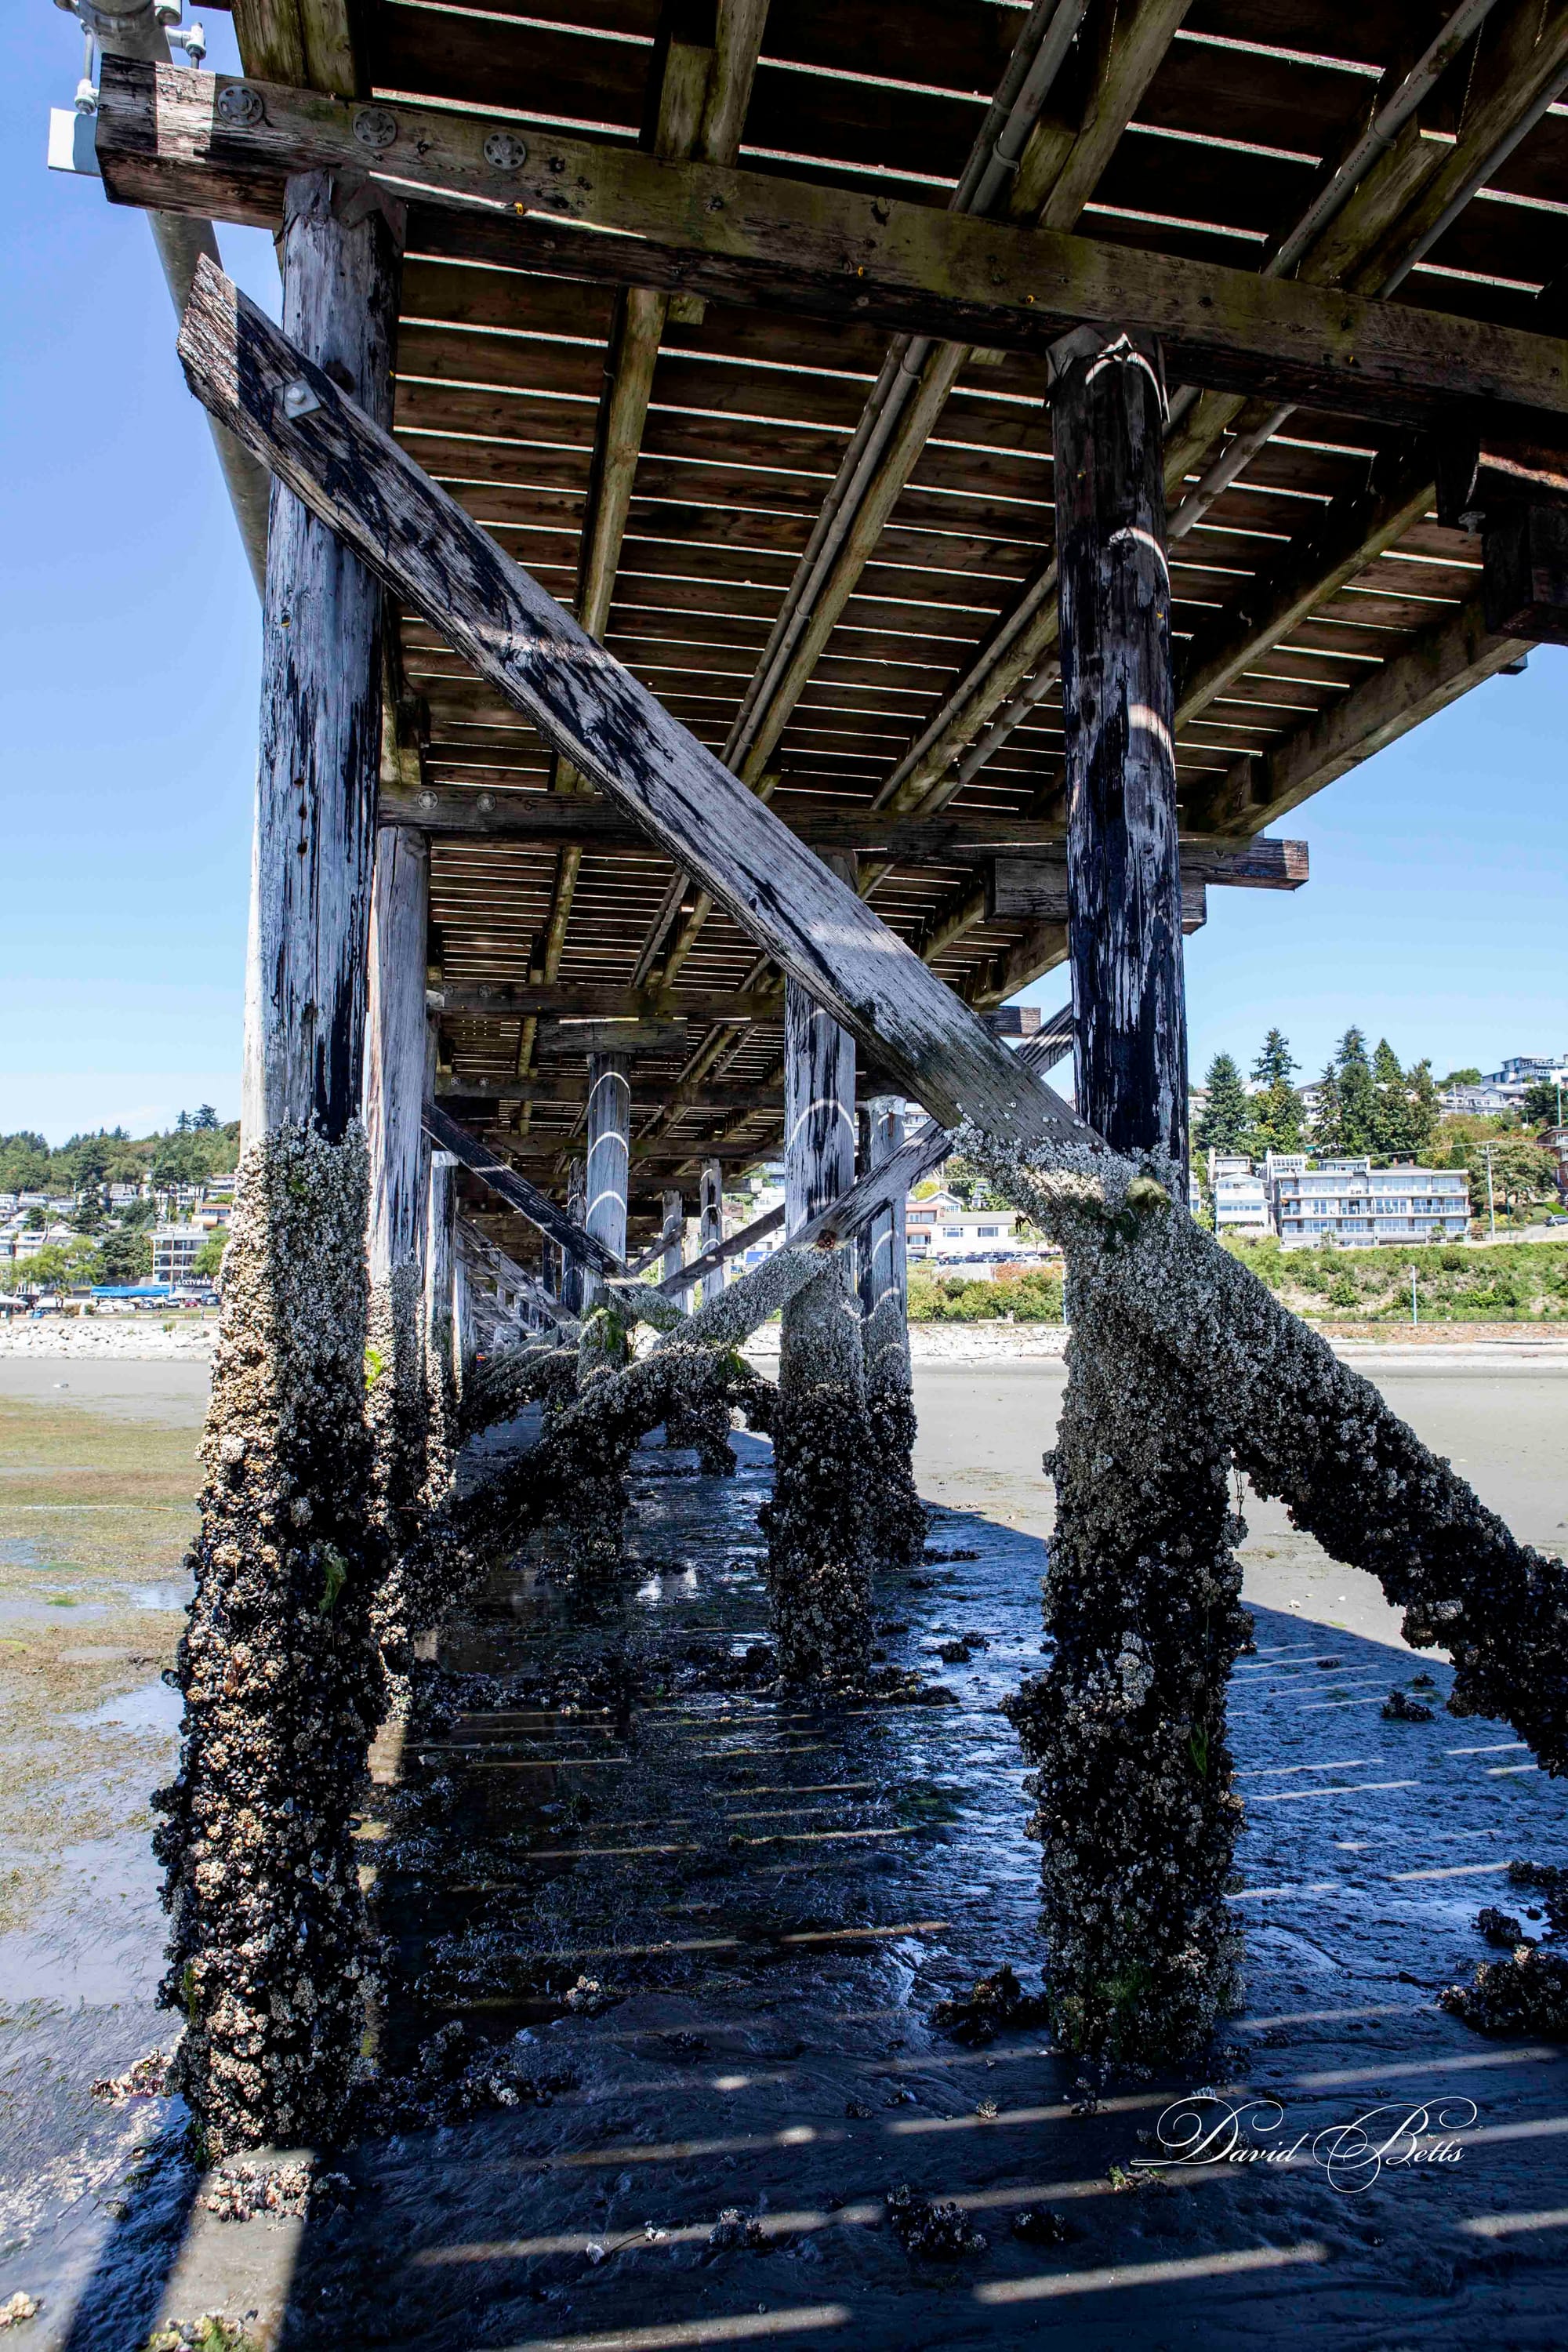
x,y
507,152
298,399
427,800
486,802
240,107
374,127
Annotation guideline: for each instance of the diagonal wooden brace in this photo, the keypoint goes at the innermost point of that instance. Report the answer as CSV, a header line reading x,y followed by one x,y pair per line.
x,y
358,480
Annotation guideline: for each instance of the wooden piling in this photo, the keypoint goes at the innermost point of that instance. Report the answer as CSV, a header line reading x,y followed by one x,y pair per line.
x,y
817,1523
282,1680
1126,1726
609,1138
899,1522
711,1224
396,1037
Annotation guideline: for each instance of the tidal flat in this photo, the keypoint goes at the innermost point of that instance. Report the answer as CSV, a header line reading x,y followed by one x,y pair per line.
x,y
770,1902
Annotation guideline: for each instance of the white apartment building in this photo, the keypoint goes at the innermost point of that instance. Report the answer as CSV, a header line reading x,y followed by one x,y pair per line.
x,y
175,1249
1352,1203
941,1227
1240,1192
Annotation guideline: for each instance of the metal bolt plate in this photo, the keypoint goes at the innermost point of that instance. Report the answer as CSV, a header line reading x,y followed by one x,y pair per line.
x,y
240,106
299,400
375,128
485,803
506,152
427,800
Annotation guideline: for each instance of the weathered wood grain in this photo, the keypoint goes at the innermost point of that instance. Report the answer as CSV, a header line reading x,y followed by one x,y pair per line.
x,y
569,1234
735,235
710,1228
394,1051
1125,921
319,763
359,481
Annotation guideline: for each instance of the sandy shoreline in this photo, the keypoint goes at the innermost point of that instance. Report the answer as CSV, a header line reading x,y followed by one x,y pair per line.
x,y
57,1339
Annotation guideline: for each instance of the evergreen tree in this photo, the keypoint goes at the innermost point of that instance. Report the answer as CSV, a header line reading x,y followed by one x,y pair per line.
x,y
206,1120
1392,1126
1426,1110
1274,1061
1357,1095
1226,1124
1328,1118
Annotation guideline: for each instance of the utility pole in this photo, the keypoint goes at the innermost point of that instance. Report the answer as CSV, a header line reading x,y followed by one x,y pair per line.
x,y
1491,1204
1415,1310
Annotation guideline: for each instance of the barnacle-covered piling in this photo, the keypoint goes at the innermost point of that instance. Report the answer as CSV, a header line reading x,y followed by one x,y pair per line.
x,y
819,1522
1125,1728
279,1671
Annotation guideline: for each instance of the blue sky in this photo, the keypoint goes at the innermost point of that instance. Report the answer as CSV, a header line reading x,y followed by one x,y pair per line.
x,y
1434,913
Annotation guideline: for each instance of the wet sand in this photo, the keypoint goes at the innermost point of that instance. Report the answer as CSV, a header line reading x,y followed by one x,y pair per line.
x,y
774,1898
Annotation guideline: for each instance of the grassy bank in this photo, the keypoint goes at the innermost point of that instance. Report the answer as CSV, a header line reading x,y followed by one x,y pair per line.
x,y
1517,1282
1019,1293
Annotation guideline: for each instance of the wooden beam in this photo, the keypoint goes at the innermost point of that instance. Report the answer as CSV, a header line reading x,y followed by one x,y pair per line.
x,y
651,1093
568,1040
1040,894
358,480
831,253
1455,655
1125,920
717,1256
588,1000
967,837
568,1233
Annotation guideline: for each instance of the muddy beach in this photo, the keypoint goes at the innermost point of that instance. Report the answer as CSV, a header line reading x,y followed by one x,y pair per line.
x,y
707,1938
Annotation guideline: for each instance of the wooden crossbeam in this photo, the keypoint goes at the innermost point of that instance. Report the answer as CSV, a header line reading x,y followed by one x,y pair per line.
x,y
712,1259
968,839
646,1094
830,252
518,1194
358,480
586,1001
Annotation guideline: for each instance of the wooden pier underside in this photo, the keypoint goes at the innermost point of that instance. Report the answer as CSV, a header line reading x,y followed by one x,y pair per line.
x,y
660,463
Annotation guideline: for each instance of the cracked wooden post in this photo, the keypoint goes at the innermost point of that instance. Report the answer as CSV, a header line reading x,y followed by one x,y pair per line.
x,y
396,1036
898,1517
711,1226
283,1688
817,1524
1126,1726
440,1350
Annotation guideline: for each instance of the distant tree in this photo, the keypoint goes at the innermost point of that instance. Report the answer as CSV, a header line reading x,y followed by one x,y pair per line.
x,y
1541,1105
1465,1077
127,1254
1275,1063
207,1263
1426,1110
1358,1095
88,1212
1225,1124
1277,1112
204,1119
64,1265
1391,1125
179,1158
138,1214
1519,1172
35,1221
23,1163
182,1124
1328,1115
